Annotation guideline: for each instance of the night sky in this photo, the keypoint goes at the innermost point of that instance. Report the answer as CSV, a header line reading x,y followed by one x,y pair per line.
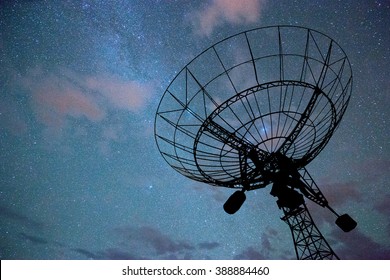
x,y
80,173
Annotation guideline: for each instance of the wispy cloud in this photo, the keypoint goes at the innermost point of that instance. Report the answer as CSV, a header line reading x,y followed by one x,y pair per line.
x,y
20,218
373,169
155,239
383,206
250,253
87,254
266,250
342,193
357,246
108,254
219,12
147,242
208,245
34,239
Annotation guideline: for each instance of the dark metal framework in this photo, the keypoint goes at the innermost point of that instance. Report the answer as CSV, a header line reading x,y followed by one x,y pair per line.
x,y
256,107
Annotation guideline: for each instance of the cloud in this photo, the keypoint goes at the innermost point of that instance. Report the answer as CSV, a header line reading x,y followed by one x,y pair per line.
x,y
107,254
24,220
371,173
351,246
151,238
68,104
161,242
208,245
122,94
374,169
357,246
164,247
147,242
342,193
88,254
250,254
217,193
117,254
55,100
61,95
267,249
219,12
383,206
34,239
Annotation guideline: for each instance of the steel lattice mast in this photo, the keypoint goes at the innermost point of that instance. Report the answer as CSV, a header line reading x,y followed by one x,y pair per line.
x,y
309,243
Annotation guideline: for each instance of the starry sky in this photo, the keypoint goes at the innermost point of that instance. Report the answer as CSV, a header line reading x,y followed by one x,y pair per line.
x,y
80,173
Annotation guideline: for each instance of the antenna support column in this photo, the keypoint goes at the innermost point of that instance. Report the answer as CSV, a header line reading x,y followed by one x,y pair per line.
x,y
309,243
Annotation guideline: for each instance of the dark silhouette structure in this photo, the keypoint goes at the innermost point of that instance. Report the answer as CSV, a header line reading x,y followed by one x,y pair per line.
x,y
253,110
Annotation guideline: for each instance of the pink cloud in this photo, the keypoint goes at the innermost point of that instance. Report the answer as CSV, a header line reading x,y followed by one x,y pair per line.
x,y
58,97
52,101
127,95
221,11
55,98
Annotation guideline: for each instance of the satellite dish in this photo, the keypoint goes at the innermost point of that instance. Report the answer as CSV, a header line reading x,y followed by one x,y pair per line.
x,y
253,110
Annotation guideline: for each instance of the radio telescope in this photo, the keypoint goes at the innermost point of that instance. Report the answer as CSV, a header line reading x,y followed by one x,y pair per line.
x,y
253,110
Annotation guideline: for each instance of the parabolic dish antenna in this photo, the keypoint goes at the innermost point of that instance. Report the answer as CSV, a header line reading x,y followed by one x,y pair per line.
x,y
253,110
